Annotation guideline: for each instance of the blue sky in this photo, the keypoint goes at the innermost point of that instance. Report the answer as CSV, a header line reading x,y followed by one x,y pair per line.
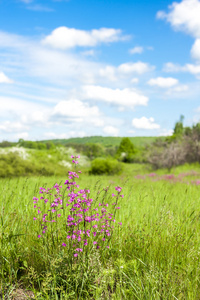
x,y
72,68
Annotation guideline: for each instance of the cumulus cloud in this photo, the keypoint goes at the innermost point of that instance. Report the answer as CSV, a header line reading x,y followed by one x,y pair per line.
x,y
144,123
163,82
136,50
125,70
4,78
111,130
138,67
171,67
65,38
193,69
184,16
195,51
75,109
121,97
190,68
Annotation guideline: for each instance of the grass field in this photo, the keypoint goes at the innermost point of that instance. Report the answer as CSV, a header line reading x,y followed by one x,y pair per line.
x,y
155,254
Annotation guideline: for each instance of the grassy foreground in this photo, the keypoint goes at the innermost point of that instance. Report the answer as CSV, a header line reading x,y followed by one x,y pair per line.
x,y
155,254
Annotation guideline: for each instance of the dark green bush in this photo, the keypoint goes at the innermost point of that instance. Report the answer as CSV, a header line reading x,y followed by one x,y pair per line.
x,y
107,166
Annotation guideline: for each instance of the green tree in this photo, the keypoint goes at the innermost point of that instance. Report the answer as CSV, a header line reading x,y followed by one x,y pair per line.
x,y
126,150
93,150
179,129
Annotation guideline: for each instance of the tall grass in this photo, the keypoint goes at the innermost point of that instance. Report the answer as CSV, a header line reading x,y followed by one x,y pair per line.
x,y
154,255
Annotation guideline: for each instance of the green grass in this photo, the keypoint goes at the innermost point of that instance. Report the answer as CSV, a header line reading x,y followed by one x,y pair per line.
x,y
154,255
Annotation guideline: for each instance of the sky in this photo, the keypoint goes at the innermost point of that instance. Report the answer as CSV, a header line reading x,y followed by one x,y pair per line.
x,y
74,68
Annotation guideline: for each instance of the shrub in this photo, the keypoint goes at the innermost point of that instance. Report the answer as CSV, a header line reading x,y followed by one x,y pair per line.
x,y
105,166
11,164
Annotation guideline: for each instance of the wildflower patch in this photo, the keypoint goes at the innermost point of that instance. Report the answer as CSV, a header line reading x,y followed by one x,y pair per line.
x,y
89,223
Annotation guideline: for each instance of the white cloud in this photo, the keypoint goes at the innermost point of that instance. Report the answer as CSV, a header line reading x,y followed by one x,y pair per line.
x,y
145,123
110,130
171,67
125,70
166,132
4,78
163,82
179,88
136,50
75,109
108,72
134,80
9,126
122,97
32,60
65,38
36,118
18,107
88,53
193,69
195,51
138,67
184,16
190,68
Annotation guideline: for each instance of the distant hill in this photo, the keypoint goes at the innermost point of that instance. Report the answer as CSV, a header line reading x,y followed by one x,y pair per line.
x,y
106,141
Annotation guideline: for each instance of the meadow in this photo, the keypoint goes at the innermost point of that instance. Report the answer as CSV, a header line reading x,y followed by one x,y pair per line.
x,y
154,254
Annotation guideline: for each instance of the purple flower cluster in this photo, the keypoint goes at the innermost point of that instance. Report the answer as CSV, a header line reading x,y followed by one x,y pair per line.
x,y
87,224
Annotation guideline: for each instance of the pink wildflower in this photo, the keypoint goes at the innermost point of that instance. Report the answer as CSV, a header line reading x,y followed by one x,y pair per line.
x,y
118,188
